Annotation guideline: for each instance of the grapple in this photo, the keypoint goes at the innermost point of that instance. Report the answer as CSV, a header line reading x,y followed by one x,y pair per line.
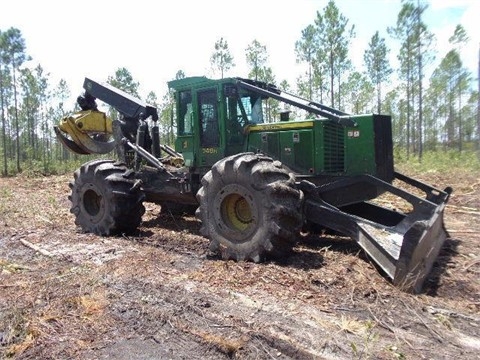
x,y
86,132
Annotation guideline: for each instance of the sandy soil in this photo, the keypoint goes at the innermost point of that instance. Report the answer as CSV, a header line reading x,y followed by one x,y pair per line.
x,y
161,295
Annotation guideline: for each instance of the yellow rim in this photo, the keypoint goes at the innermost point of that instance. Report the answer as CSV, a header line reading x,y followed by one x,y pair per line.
x,y
236,212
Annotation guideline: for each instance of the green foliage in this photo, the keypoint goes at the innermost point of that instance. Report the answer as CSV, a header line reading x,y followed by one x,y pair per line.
x,y
180,75
256,56
41,167
459,36
358,93
165,122
447,160
454,111
123,80
416,52
221,58
334,36
378,66
306,50
5,196
445,113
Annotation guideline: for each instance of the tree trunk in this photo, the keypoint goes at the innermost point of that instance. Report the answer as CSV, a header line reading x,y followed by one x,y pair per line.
x,y
4,136
17,128
460,125
310,90
408,109
420,105
332,76
379,98
478,106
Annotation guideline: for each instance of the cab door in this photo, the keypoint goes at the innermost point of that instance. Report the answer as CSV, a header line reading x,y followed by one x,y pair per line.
x,y
211,143
185,143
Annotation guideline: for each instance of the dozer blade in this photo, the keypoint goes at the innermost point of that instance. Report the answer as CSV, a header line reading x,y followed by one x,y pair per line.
x,y
421,246
81,142
406,257
404,246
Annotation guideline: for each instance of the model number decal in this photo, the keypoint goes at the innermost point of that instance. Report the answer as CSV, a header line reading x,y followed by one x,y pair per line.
x,y
210,150
353,133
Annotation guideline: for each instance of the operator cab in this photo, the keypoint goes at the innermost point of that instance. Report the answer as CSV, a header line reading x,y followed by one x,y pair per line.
x,y
211,116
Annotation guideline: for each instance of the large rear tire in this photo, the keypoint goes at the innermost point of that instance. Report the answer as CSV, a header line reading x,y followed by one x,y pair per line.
x,y
106,198
250,208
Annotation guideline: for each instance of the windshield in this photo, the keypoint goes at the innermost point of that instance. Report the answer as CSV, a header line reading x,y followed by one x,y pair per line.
x,y
253,109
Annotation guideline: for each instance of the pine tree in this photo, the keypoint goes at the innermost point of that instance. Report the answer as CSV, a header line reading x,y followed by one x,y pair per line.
x,y
416,52
334,37
14,55
256,55
378,66
3,74
123,80
306,51
221,58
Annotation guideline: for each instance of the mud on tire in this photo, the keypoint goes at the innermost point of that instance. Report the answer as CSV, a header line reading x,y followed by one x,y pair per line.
x,y
249,208
106,198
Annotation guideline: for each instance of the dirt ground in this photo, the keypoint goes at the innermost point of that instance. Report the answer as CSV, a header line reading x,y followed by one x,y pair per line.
x,y
161,295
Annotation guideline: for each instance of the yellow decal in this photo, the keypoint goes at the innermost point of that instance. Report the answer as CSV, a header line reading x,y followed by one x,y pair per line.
x,y
210,150
280,126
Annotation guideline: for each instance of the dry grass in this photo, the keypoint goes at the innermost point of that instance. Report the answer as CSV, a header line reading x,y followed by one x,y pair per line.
x,y
326,300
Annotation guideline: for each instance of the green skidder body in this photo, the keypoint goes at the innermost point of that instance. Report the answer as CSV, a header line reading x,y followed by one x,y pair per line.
x,y
322,147
256,165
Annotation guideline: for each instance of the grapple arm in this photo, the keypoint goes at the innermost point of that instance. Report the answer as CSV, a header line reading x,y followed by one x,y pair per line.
x,y
127,105
89,130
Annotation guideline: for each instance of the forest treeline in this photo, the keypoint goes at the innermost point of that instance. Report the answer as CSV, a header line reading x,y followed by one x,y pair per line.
x,y
430,113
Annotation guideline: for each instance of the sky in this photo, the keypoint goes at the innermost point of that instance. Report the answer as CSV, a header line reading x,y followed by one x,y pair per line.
x,y
154,39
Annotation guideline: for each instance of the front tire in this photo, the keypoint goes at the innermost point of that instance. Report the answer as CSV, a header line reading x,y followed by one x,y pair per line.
x,y
250,208
106,198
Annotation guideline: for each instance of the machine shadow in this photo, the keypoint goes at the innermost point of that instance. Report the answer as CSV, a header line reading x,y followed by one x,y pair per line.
x,y
307,253
171,222
310,247
440,266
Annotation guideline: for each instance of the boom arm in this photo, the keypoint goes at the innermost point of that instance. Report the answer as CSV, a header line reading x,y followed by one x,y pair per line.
x,y
86,131
310,106
126,104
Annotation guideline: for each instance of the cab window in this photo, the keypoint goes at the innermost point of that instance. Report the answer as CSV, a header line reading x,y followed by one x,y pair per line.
x,y
185,116
208,116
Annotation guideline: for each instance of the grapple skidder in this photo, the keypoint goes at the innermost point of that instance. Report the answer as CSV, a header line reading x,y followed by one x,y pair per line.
x,y
255,182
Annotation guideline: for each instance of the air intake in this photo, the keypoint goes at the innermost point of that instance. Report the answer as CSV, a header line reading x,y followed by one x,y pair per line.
x,y
334,142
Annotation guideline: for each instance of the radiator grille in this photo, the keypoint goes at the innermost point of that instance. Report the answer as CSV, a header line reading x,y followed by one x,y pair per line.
x,y
334,141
